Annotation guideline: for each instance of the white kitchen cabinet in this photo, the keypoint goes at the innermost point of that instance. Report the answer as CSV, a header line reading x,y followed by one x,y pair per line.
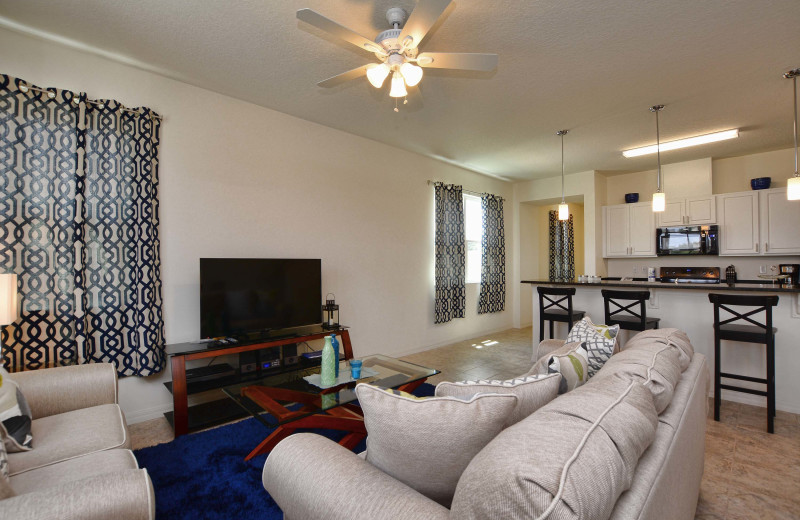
x,y
674,214
629,230
642,235
779,223
737,214
616,231
701,210
693,211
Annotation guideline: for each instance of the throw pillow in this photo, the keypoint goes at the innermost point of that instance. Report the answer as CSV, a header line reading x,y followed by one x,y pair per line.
x,y
599,341
15,415
427,443
654,365
532,392
571,361
675,338
572,459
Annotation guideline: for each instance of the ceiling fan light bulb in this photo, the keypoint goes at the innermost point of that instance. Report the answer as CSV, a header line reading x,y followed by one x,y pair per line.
x,y
377,74
398,86
411,73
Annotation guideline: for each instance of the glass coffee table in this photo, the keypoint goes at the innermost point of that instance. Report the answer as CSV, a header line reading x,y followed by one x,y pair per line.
x,y
286,402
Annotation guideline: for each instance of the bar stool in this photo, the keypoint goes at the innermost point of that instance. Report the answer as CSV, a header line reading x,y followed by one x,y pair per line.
x,y
555,297
624,315
763,333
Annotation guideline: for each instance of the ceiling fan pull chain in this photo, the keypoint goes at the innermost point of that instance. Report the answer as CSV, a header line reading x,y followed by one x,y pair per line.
x,y
405,100
395,105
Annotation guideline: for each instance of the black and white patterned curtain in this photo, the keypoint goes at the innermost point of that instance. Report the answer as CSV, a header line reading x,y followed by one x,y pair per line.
x,y
79,226
450,251
492,296
562,249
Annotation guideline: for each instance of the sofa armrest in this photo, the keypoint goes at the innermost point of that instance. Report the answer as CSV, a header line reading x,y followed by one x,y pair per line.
x,y
545,348
121,495
311,477
51,391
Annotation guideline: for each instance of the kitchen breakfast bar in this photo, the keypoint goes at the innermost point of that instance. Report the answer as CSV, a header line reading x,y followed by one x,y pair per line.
x,y
686,306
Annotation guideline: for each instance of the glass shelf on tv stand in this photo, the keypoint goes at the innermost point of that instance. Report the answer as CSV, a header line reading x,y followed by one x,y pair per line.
x,y
205,346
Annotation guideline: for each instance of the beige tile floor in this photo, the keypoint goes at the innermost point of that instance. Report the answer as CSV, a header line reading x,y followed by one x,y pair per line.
x,y
749,474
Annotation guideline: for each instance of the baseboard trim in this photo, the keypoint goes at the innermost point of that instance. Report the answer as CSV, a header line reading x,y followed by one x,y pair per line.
x,y
754,400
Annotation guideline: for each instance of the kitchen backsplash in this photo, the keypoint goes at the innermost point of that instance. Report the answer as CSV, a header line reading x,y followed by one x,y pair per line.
x,y
747,267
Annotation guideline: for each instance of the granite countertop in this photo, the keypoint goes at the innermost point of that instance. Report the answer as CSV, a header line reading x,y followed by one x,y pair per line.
x,y
744,285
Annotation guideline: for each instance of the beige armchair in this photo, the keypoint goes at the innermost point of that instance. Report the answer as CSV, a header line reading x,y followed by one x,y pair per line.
x,y
81,465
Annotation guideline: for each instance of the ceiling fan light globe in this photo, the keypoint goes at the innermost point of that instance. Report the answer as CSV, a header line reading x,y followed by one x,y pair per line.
x,y
411,73
377,74
398,86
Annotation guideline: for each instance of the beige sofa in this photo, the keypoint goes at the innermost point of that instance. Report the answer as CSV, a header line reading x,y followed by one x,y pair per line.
x,y
312,477
81,465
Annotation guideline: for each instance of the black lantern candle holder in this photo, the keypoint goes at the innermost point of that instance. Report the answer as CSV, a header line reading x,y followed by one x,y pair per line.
x,y
330,313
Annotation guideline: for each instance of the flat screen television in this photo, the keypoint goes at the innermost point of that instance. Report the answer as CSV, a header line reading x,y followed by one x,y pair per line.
x,y
241,296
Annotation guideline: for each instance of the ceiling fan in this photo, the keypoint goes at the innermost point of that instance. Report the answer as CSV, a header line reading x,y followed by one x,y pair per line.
x,y
397,48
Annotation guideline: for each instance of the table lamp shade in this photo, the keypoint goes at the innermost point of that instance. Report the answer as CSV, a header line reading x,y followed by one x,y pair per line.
x,y
8,299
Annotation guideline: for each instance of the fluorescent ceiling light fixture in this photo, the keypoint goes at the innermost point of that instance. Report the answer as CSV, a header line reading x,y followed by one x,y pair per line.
x,y
683,143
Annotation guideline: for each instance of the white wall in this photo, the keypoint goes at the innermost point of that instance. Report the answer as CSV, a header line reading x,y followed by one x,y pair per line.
x,y
239,180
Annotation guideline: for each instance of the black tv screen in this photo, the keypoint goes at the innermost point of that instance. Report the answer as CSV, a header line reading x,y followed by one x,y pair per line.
x,y
239,296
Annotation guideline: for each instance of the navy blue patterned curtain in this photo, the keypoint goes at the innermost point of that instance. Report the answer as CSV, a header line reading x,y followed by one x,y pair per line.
x,y
492,296
562,249
79,226
450,251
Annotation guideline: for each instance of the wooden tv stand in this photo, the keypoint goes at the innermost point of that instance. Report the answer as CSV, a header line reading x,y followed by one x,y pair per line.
x,y
179,354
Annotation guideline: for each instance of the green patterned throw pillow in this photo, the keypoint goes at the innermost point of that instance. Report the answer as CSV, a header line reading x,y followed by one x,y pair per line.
x,y
599,341
15,416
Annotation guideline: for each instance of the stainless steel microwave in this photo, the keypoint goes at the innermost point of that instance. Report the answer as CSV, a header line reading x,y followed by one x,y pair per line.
x,y
694,240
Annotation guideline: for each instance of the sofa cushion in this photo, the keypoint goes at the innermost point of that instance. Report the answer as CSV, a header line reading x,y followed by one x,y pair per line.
x,y
427,443
655,365
675,338
571,459
598,340
72,434
5,488
532,392
571,361
93,464
15,415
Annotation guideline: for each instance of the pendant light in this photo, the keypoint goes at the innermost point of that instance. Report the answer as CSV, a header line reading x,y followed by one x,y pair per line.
x,y
563,208
659,199
793,184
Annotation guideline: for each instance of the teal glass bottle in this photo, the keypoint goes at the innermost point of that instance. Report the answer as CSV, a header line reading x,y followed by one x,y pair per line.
x,y
327,371
335,344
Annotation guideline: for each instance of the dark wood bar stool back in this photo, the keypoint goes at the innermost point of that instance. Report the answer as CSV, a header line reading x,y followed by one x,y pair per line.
x,y
555,309
741,326
623,313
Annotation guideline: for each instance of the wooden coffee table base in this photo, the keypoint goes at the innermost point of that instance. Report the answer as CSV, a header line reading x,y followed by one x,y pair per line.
x,y
347,417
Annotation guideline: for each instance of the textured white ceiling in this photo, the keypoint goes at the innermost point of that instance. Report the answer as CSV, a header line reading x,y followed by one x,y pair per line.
x,y
591,67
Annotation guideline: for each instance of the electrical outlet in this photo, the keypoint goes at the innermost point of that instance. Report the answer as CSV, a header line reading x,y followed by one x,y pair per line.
x,y
635,270
762,269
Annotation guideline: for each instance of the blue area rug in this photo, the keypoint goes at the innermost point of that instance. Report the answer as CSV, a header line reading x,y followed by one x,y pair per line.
x,y
204,475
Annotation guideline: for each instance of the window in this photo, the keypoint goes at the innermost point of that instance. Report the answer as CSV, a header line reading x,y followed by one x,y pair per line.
x,y
473,231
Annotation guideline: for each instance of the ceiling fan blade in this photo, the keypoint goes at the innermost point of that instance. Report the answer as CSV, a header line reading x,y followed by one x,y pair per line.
x,y
340,31
421,19
345,76
457,60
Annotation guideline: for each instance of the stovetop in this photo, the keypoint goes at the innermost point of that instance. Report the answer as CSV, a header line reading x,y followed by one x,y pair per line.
x,y
690,274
